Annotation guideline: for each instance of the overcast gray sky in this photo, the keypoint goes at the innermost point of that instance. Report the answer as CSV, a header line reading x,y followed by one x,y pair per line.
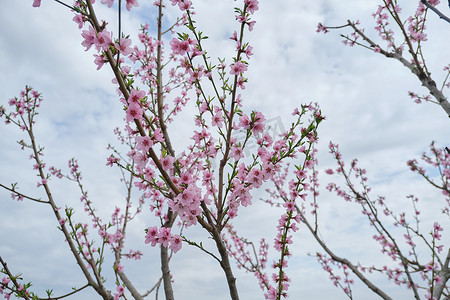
x,y
362,94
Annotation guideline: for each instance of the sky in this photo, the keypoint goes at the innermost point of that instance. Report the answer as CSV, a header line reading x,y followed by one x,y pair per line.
x,y
364,97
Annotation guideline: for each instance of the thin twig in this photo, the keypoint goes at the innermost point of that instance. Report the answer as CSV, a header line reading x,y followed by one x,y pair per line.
x,y
24,196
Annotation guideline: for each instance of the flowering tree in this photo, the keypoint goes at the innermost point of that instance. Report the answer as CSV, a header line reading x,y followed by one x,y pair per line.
x,y
412,32
418,268
207,183
182,189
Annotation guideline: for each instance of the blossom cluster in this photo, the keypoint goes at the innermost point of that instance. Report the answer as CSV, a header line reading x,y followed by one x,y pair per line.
x,y
163,237
16,289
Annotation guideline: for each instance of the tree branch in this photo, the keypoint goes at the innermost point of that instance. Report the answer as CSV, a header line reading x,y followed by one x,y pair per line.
x,y
415,69
341,260
441,15
24,196
13,279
